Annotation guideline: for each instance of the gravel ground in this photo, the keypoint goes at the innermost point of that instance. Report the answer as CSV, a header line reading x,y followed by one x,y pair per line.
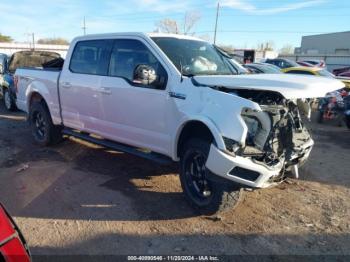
x,y
77,198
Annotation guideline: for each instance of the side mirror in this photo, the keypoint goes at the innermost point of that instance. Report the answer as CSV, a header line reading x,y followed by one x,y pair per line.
x,y
145,75
1,69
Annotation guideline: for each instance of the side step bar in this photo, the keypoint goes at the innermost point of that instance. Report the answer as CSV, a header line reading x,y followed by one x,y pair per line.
x,y
155,157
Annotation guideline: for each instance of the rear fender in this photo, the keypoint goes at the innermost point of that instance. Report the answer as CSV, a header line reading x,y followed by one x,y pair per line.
x,y
37,87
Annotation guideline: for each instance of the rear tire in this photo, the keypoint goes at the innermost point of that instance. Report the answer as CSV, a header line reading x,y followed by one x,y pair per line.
x,y
9,102
44,131
204,191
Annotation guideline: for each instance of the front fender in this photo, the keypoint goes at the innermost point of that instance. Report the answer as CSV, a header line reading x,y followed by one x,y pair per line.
x,y
224,109
207,122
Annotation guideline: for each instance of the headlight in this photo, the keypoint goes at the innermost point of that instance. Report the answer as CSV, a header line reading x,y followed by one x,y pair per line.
x,y
253,127
231,145
259,125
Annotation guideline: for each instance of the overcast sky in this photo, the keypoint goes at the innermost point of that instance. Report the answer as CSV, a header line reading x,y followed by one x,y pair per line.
x,y
242,23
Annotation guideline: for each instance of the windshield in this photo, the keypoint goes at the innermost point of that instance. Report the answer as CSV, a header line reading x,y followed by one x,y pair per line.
x,y
192,57
325,73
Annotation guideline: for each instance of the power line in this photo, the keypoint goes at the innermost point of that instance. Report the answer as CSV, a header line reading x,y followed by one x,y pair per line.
x,y
289,16
154,18
249,31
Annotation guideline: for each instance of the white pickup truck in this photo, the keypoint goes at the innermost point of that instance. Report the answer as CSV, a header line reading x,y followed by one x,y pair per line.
x,y
178,98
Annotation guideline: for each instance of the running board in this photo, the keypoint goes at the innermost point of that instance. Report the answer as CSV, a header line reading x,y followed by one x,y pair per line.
x,y
155,157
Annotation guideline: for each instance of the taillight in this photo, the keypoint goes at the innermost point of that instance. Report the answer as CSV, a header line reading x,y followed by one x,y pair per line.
x,y
15,82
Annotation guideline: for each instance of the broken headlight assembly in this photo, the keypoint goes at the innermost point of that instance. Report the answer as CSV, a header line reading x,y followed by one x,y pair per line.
x,y
253,126
231,145
259,125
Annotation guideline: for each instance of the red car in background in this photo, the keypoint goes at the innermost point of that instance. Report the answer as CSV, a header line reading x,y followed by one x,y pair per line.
x,y
13,247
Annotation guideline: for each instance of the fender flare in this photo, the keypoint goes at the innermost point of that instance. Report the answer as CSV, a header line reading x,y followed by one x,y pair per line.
x,y
204,120
42,90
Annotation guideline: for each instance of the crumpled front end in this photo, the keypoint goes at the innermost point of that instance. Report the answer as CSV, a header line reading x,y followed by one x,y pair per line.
x,y
277,141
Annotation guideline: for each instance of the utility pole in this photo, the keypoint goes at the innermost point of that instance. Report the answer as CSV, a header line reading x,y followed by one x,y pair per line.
x,y
216,21
84,26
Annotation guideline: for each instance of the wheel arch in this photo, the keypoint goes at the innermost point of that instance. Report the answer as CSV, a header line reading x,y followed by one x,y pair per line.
x,y
36,96
196,127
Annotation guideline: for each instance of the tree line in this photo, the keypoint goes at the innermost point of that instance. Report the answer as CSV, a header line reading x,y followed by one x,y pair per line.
x,y
48,41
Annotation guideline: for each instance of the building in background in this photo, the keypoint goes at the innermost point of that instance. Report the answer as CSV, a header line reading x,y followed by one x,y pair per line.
x,y
252,56
325,44
332,48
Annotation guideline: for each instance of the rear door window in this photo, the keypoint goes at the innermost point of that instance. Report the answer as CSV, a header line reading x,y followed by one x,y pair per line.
x,y
91,57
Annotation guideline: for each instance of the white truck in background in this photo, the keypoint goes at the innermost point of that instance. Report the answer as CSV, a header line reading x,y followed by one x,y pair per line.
x,y
179,98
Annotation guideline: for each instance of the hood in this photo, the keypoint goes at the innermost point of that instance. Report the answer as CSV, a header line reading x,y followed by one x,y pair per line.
x,y
290,86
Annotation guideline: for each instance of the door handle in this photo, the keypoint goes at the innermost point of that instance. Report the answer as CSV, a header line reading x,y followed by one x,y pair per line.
x,y
105,90
66,85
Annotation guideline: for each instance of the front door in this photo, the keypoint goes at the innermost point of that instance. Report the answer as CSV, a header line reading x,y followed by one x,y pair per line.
x,y
134,100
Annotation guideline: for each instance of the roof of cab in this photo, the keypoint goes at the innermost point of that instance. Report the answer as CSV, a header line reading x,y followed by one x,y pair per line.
x,y
140,34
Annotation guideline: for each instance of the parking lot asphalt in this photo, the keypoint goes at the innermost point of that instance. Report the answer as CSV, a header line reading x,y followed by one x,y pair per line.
x,y
76,198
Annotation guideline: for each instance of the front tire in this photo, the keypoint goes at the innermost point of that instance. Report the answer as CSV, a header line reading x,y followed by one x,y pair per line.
x,y
9,102
44,131
204,191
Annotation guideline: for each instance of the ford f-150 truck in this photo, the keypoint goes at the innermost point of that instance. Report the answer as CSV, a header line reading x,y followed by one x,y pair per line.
x,y
176,97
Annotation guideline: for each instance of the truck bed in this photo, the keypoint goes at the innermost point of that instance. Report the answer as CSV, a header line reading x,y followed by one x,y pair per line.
x,y
30,79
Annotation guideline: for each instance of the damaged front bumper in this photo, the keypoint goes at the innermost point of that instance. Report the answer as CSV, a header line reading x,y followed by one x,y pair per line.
x,y
251,173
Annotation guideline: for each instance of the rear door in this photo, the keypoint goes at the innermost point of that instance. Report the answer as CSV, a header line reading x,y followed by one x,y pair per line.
x,y
80,85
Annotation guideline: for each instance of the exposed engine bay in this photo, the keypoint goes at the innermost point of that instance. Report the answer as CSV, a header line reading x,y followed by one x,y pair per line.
x,y
276,134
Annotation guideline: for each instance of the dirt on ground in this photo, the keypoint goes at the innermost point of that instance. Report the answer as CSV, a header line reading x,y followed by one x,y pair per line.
x,y
76,198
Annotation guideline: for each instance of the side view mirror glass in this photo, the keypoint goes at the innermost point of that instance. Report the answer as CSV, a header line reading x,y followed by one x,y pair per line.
x,y
1,69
